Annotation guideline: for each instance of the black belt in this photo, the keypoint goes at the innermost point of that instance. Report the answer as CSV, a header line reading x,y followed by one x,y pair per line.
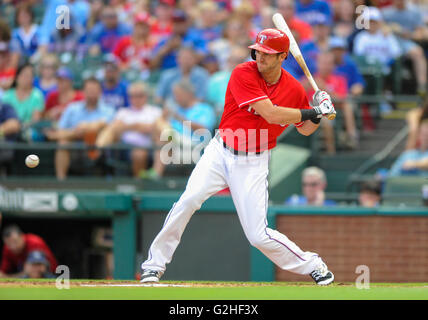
x,y
235,152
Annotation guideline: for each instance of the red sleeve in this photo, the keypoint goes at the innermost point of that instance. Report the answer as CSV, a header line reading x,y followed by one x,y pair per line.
x,y
51,100
6,265
120,47
36,243
341,87
245,87
78,95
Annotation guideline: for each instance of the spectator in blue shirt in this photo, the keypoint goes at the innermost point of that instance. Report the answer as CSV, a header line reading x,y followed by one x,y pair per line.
x,y
314,183
81,120
26,38
346,66
105,35
414,161
114,88
9,130
208,26
189,115
187,68
9,123
311,10
165,52
78,8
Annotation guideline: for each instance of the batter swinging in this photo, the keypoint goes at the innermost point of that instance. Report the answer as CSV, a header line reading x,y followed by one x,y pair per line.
x,y
262,99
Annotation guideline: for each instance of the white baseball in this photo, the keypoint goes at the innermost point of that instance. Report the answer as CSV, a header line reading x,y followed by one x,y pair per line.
x,y
32,161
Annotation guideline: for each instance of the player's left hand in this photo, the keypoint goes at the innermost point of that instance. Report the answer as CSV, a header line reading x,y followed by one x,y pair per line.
x,y
320,96
323,104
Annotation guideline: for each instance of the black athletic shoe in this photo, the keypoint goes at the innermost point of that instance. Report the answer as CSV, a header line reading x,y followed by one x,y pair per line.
x,y
322,276
150,276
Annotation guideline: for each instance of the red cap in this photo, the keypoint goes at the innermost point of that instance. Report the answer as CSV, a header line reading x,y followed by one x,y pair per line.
x,y
271,41
142,17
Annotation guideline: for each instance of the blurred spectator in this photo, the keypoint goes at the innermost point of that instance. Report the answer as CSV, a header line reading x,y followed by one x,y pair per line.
x,y
135,51
376,44
218,82
114,88
165,52
407,24
370,194
37,266
207,24
414,161
105,35
188,112
187,68
59,99
16,249
321,28
46,82
79,9
336,85
344,25
81,120
9,123
123,9
26,37
210,64
346,66
7,69
414,118
136,126
9,131
69,41
296,25
96,10
234,34
245,13
314,183
26,99
162,26
312,10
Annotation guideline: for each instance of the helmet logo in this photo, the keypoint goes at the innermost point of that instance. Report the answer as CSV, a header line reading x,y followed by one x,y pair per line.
x,y
262,38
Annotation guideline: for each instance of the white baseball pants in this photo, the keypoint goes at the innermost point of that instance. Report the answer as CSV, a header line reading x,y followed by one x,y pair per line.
x,y
246,177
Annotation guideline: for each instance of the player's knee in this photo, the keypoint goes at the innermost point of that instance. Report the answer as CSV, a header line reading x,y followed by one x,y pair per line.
x,y
193,202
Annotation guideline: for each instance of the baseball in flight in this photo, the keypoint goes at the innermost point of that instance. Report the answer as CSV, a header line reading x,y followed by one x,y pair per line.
x,y
32,161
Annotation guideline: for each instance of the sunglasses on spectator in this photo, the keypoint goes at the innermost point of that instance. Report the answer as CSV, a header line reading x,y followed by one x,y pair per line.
x,y
310,184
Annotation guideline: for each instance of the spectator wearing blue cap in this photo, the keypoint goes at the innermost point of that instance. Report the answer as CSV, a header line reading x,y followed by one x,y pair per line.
x,y
312,10
59,99
114,88
37,266
346,66
187,68
26,37
105,35
166,51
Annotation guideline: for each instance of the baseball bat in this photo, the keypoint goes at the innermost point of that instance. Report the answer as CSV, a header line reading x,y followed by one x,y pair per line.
x,y
280,23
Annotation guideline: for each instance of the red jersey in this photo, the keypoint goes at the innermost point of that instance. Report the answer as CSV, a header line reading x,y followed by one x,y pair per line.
x,y
127,51
12,263
335,84
246,85
52,101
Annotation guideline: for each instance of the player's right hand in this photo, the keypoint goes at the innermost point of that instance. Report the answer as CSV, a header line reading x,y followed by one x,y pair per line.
x,y
325,108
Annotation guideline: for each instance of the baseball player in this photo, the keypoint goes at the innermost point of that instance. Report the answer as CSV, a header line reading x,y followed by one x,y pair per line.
x,y
262,99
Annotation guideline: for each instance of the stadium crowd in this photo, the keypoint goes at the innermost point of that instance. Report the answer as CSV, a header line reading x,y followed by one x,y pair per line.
x,y
107,71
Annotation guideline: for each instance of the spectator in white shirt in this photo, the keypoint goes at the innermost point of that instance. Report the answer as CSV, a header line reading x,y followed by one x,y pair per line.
x,y
136,126
375,43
